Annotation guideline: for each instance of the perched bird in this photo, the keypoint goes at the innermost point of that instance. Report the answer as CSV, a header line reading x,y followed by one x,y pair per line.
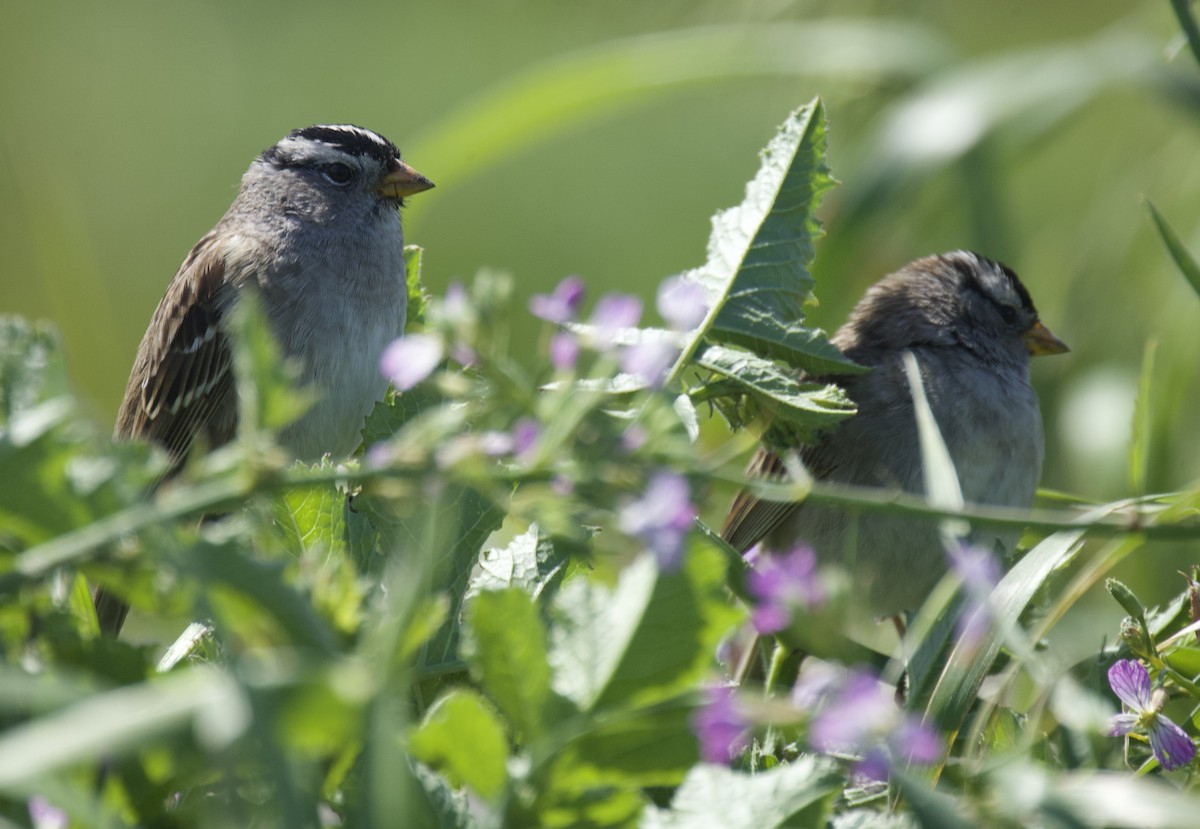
x,y
972,327
315,230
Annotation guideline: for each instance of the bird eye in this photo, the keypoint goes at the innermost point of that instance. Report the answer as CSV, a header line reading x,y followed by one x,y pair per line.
x,y
1009,314
338,173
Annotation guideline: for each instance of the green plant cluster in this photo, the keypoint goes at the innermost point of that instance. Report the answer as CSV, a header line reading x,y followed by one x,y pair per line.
x,y
458,628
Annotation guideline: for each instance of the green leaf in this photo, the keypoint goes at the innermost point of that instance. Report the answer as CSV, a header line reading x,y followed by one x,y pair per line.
x,y
226,564
506,648
418,297
756,276
1187,22
312,522
939,475
650,637
268,396
800,408
110,723
650,746
462,737
32,369
528,562
947,694
1182,257
795,794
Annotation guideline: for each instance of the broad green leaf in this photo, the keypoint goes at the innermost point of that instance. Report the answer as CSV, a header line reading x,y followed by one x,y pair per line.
x,y
462,737
396,410
795,794
800,408
651,746
756,276
227,565
312,521
652,636
506,648
1187,264
528,562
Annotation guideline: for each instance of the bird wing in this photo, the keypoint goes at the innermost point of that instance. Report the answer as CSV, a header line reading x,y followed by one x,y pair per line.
x,y
182,375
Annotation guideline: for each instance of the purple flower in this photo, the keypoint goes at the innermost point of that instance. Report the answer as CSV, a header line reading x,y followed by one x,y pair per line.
x,y
1130,681
980,572
495,444
564,350
456,306
662,517
411,359
614,312
723,733
525,434
649,360
44,815
977,567
783,584
861,717
562,305
682,303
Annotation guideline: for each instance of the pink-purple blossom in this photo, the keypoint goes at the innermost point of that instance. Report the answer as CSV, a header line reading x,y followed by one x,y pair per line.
x,y
682,303
563,304
411,359
783,584
612,314
860,716
980,572
661,517
649,360
722,731
1130,681
564,350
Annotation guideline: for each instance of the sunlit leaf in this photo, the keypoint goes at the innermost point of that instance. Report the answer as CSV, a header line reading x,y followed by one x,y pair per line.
x,y
462,737
506,648
713,797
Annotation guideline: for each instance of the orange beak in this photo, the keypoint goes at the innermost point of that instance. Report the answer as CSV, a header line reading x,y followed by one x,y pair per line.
x,y
1040,342
402,181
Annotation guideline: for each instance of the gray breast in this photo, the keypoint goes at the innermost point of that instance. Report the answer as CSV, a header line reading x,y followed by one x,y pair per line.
x,y
989,419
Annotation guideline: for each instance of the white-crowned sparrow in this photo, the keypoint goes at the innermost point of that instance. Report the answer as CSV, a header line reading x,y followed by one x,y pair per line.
x,y
315,230
972,327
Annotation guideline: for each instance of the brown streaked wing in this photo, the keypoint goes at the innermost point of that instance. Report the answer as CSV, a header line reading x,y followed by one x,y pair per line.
x,y
750,518
181,377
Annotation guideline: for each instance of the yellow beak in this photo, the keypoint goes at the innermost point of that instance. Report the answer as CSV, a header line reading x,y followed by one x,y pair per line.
x,y
1040,342
402,181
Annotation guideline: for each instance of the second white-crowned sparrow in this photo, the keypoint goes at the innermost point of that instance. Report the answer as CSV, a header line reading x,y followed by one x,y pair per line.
x,y
315,230
972,327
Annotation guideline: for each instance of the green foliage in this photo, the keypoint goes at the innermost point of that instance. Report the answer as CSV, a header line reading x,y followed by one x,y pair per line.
x,y
501,613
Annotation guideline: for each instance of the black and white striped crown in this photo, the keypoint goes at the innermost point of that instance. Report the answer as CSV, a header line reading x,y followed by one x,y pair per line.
x,y
346,138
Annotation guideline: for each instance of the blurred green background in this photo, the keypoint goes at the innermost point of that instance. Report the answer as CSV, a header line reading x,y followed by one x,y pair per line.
x,y
598,136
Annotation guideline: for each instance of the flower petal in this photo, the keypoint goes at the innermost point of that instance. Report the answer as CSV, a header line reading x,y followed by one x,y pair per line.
x,y
1130,681
411,359
1121,724
1170,744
